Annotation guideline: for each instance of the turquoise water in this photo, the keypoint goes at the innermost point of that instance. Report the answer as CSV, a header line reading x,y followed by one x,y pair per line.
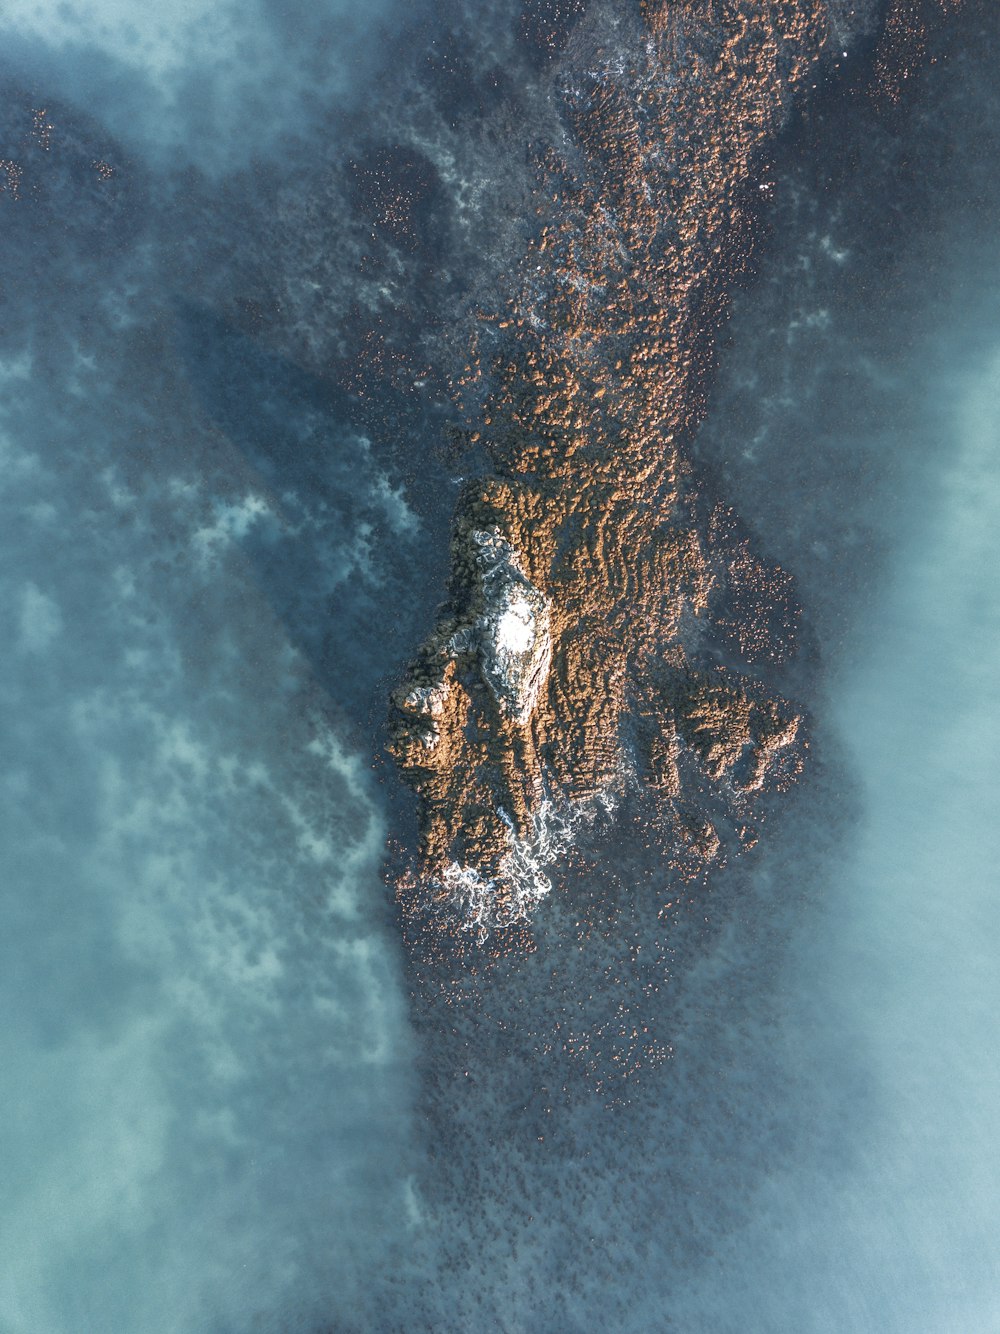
x,y
879,1208
880,1211
205,1051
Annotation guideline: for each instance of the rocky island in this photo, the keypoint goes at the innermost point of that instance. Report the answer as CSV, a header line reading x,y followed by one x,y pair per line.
x,y
607,623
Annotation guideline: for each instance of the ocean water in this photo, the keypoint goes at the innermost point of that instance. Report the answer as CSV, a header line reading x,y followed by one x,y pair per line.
x,y
207,1067
884,403
229,1103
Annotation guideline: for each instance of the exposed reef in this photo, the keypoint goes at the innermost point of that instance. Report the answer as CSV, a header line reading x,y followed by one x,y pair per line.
x,y
602,610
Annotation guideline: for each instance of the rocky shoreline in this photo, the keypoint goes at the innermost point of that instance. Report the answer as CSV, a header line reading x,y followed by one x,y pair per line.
x,y
603,625
585,573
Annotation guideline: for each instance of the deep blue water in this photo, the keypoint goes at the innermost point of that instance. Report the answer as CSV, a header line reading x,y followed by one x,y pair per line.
x,y
227,1105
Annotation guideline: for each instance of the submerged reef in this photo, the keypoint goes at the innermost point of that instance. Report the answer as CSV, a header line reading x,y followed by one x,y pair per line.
x,y
606,621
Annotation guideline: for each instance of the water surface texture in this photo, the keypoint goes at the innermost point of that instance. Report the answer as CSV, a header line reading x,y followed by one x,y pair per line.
x,y
498,716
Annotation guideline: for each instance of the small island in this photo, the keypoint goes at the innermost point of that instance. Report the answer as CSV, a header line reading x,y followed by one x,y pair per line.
x,y
607,621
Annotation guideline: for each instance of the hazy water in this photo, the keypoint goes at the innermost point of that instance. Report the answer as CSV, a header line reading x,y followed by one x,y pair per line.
x,y
881,1212
216,85
221,1111
204,1050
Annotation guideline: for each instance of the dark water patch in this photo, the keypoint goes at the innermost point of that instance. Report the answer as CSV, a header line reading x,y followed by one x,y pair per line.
x,y
461,87
400,196
544,27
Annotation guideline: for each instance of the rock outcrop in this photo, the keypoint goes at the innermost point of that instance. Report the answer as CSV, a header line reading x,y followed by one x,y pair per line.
x,y
574,653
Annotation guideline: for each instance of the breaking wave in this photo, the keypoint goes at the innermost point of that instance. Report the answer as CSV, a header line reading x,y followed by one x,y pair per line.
x,y
482,904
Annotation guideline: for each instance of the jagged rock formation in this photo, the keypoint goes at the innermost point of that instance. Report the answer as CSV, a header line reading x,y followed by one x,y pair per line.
x,y
572,653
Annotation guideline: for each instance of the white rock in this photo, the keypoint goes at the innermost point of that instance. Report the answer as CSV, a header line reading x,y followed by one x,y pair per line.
x,y
428,699
513,632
